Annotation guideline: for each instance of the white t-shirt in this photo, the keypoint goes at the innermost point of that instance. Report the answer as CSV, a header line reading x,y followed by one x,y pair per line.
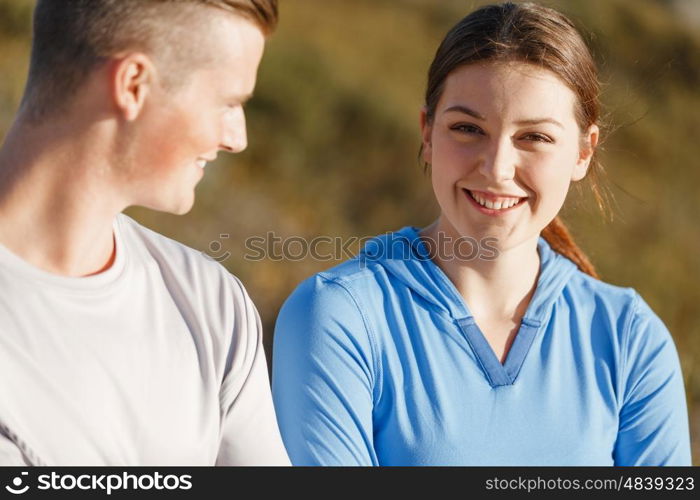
x,y
156,361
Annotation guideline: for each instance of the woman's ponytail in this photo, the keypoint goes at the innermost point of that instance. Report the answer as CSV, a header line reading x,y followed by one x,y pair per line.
x,y
559,238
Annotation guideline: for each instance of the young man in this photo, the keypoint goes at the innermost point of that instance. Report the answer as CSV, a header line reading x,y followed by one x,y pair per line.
x,y
119,346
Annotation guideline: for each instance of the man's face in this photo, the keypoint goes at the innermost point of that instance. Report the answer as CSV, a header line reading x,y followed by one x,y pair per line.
x,y
182,129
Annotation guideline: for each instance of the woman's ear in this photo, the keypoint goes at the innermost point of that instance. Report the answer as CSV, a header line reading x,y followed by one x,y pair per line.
x,y
426,127
586,150
132,76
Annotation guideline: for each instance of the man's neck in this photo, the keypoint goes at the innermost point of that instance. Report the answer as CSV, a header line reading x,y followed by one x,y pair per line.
x,y
57,205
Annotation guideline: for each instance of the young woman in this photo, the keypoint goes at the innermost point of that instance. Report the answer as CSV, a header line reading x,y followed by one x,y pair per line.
x,y
421,353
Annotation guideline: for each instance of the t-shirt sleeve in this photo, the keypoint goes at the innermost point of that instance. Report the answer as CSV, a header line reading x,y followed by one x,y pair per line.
x,y
323,377
250,435
653,428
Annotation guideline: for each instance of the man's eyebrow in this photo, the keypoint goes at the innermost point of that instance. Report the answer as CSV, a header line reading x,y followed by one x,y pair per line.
x,y
464,109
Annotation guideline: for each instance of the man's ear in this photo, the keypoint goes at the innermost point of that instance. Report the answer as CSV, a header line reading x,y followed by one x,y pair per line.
x,y
426,127
586,150
133,77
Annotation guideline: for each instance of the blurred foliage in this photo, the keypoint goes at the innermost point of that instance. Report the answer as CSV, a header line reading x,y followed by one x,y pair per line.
x,y
333,145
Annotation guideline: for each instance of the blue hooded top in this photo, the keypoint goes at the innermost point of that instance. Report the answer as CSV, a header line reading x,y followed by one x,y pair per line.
x,y
378,361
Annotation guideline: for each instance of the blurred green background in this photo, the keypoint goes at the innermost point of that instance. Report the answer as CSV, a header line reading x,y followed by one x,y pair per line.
x,y
333,143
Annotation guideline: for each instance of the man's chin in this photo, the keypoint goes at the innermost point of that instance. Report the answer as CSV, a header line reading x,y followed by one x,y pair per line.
x,y
182,211
182,208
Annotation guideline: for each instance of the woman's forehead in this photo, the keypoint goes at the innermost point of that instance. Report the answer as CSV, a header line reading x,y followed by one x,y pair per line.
x,y
519,89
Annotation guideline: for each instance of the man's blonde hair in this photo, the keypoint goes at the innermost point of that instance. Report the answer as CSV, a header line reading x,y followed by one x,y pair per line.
x,y
73,37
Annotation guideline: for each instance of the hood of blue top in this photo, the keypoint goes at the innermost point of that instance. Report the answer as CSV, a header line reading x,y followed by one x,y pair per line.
x,y
404,255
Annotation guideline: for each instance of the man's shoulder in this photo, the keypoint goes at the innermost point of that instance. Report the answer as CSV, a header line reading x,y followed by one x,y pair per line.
x,y
172,257
135,232
196,282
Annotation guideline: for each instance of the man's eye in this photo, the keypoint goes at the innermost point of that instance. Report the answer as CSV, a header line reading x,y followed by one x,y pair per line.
x,y
467,128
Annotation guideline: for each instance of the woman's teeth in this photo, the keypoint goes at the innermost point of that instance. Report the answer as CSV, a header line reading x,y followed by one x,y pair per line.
x,y
500,204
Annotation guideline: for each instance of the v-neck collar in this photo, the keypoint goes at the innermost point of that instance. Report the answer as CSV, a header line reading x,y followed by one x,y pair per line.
x,y
500,374
555,271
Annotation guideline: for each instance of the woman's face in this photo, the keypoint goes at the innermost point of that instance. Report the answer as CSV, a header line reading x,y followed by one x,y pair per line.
x,y
504,146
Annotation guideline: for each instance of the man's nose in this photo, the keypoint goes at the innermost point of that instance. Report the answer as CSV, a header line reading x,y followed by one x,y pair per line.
x,y
234,138
499,160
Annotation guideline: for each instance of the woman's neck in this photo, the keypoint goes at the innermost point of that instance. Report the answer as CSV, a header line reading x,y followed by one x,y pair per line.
x,y
494,289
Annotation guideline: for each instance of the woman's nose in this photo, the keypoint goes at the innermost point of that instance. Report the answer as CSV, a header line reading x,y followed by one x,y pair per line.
x,y
498,161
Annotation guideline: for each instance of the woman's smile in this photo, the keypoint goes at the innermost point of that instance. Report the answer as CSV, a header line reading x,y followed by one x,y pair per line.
x,y
493,205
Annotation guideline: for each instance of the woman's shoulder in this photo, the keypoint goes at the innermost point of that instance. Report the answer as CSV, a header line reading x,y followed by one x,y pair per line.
x,y
620,306
386,263
331,310
343,283
597,289
379,256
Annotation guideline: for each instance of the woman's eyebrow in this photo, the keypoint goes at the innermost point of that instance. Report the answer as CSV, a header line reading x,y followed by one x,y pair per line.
x,y
460,108
464,109
537,121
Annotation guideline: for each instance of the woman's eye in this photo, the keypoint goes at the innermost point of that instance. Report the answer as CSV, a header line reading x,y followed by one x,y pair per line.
x,y
536,137
467,128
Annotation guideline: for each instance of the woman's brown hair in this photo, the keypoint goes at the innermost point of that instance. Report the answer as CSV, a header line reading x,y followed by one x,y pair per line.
x,y
537,35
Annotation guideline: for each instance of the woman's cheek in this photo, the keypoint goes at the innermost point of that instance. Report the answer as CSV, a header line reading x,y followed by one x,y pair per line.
x,y
552,185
